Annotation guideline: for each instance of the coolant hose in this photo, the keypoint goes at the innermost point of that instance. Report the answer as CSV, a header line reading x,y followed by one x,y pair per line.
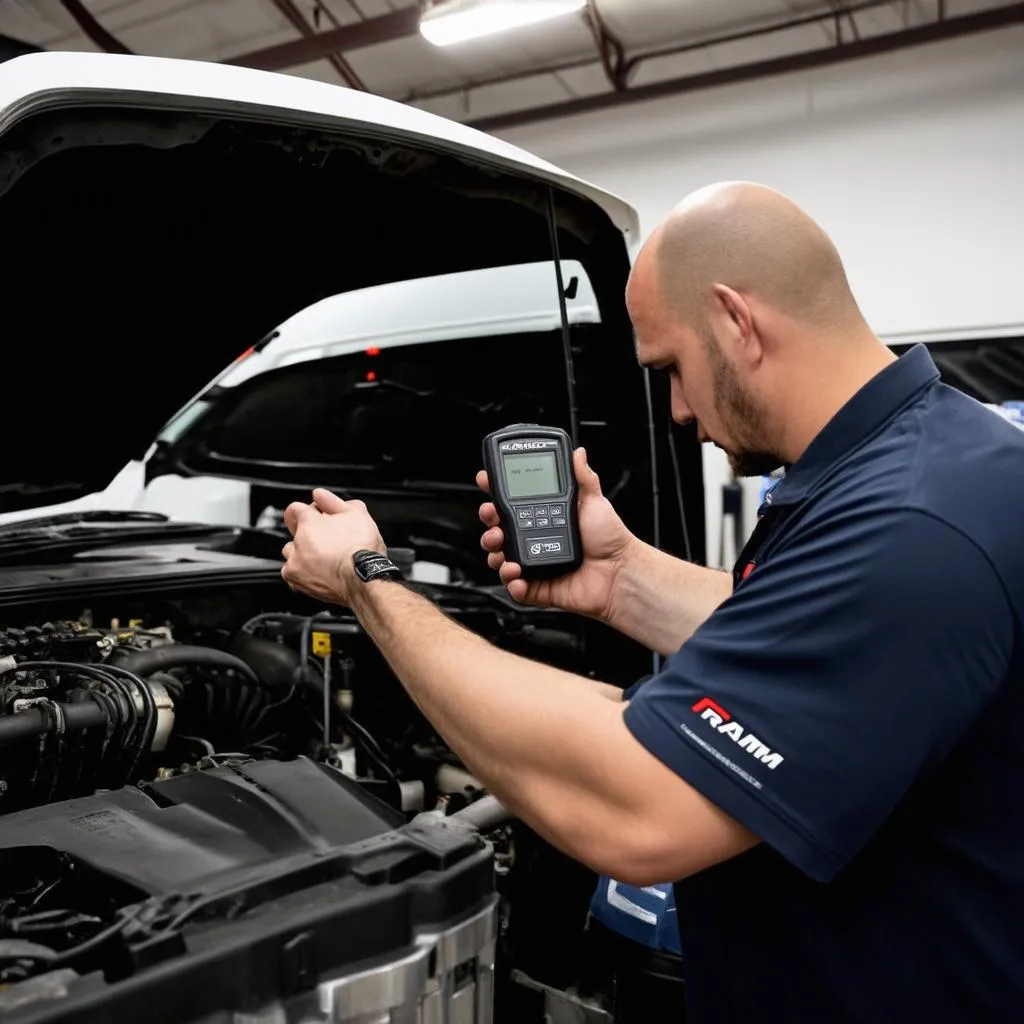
x,y
484,814
36,721
160,659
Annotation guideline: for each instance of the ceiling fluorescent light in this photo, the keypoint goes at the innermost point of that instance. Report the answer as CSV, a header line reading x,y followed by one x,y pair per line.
x,y
457,21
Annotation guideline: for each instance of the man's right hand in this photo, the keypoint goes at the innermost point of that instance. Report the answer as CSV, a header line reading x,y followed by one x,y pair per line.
x,y
606,544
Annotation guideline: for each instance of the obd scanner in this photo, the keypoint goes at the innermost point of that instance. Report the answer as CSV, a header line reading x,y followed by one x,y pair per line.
x,y
533,486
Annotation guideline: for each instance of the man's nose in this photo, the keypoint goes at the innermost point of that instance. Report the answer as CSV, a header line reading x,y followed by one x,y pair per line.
x,y
681,412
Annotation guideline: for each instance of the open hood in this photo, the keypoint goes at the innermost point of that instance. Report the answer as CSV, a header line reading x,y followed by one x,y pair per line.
x,y
158,218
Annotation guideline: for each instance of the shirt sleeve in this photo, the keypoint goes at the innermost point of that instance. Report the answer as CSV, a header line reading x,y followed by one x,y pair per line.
x,y
840,671
631,691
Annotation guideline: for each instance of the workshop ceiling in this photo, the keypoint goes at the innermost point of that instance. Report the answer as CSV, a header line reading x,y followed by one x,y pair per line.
x,y
618,49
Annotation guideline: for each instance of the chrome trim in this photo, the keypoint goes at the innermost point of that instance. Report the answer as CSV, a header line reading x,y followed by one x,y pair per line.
x,y
376,991
419,988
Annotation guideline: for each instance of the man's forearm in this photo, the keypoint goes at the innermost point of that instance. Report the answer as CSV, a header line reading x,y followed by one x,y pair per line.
x,y
660,600
525,729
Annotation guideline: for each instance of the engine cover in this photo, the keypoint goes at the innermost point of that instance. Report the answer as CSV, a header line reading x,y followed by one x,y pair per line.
x,y
265,891
174,835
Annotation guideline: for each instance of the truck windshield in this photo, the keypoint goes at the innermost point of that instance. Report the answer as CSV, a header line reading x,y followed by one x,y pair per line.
x,y
409,411
396,383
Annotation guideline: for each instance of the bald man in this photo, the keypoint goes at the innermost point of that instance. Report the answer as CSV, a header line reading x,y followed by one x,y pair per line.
x,y
829,763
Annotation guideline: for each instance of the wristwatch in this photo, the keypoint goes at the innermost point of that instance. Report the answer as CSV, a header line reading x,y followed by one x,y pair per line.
x,y
372,565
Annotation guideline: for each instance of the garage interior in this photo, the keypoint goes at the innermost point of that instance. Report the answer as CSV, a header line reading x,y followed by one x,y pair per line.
x,y
914,101
897,124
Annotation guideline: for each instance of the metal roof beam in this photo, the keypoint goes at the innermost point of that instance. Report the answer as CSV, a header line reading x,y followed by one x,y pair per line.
x,y
935,31
92,29
296,19
387,27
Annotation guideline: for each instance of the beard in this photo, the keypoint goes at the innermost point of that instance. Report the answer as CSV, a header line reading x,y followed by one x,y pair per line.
x,y
742,415
752,463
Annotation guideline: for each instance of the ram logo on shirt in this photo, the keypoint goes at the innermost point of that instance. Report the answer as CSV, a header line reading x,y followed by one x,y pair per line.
x,y
721,721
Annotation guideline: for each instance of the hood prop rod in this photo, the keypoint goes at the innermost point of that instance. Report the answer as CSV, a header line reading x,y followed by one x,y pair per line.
x,y
570,378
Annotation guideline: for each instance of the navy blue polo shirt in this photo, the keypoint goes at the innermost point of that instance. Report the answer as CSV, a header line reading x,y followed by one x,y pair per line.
x,y
858,704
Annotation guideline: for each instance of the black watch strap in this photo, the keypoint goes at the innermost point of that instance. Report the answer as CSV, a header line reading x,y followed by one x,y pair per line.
x,y
372,565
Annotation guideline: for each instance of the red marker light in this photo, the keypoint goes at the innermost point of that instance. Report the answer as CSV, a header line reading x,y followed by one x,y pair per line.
x,y
373,350
371,375
245,355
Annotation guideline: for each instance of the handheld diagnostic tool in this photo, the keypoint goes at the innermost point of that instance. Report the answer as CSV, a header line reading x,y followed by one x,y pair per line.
x,y
532,483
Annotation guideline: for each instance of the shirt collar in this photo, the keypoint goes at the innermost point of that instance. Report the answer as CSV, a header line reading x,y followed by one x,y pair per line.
x,y
866,412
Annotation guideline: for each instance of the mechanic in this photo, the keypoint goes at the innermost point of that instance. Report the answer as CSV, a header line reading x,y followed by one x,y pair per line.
x,y
829,761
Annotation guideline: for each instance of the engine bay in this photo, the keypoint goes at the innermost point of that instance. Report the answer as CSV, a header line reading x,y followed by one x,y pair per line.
x,y
106,700
234,712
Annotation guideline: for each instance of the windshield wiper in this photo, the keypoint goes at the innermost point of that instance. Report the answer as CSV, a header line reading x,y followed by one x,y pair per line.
x,y
447,397
80,531
72,518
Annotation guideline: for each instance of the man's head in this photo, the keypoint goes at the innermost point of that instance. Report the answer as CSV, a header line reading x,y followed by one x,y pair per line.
x,y
742,298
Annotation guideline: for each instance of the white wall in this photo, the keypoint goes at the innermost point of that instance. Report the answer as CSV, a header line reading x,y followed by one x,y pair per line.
x,y
913,162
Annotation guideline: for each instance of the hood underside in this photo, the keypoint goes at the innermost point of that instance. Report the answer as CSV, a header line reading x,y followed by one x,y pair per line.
x,y
144,250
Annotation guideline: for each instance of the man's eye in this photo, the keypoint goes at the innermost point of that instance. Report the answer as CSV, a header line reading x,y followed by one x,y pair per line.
x,y
664,370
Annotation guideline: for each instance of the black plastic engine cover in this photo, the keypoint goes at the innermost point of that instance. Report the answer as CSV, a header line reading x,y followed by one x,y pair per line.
x,y
173,834
296,874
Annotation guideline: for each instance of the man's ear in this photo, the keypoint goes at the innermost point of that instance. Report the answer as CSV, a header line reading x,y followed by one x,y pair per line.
x,y
736,320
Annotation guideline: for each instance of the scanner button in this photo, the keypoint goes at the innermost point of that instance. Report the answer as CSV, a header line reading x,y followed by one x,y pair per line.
x,y
525,512
541,510
543,524
557,510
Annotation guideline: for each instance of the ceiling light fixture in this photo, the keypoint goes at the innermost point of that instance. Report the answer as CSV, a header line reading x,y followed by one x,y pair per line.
x,y
449,22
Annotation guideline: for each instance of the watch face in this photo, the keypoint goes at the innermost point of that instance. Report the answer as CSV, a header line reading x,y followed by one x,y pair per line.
x,y
372,564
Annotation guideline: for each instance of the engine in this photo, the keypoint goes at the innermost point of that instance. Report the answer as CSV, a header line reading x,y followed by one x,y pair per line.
x,y
90,706
130,698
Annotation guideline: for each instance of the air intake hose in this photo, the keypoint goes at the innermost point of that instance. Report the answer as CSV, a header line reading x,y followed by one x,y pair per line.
x,y
275,664
160,659
37,720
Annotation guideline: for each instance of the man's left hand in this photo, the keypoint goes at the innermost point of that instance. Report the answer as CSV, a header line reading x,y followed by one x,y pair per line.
x,y
325,536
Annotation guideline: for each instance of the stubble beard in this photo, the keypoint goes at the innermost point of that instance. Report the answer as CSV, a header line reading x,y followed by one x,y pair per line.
x,y
742,415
